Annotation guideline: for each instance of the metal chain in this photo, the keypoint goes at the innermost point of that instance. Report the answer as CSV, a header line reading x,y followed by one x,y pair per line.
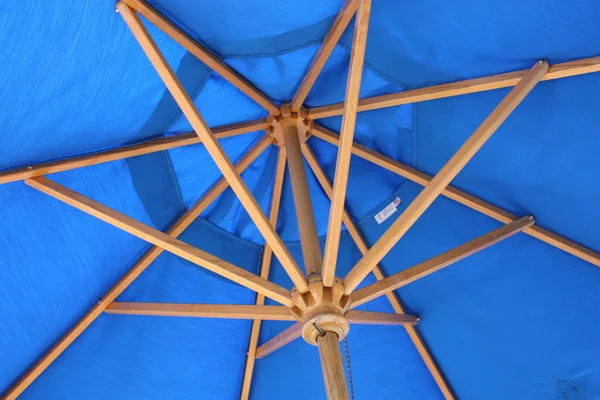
x,y
351,382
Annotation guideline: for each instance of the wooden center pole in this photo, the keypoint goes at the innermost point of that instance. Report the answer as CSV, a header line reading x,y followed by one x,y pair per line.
x,y
333,370
309,239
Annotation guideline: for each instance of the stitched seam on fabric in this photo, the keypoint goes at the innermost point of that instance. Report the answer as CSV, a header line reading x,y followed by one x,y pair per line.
x,y
415,135
239,204
173,176
375,70
233,55
192,95
226,232
181,27
384,202
370,215
272,54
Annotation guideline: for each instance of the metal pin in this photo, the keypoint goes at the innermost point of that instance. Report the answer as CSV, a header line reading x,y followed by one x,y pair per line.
x,y
321,332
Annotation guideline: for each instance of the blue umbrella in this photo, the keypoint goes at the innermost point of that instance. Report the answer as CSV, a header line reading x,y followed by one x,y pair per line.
x,y
277,222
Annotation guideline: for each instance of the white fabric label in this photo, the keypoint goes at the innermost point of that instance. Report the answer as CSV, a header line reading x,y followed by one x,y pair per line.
x,y
387,211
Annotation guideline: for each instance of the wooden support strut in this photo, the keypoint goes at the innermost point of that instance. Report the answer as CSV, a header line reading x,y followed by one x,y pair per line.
x,y
161,239
275,343
119,287
379,275
203,54
342,167
354,317
212,146
556,71
443,178
231,311
264,273
461,197
438,262
380,318
309,239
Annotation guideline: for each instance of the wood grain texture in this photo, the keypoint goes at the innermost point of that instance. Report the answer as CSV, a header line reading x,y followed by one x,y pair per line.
x,y
557,71
219,186
333,369
264,273
437,185
379,275
119,287
233,311
307,227
161,239
212,145
203,54
438,262
379,318
152,146
316,66
287,336
342,166
463,198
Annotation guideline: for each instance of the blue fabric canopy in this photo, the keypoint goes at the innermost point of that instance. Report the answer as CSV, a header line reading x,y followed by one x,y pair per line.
x,y
518,320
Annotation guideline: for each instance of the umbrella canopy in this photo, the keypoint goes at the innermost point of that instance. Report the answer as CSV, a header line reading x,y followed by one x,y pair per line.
x,y
276,179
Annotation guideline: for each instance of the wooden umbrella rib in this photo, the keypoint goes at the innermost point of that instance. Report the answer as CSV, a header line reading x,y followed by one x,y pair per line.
x,y
557,71
316,66
436,263
212,146
379,275
264,273
152,146
342,167
119,287
287,336
237,128
203,54
462,197
161,239
443,178
233,311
